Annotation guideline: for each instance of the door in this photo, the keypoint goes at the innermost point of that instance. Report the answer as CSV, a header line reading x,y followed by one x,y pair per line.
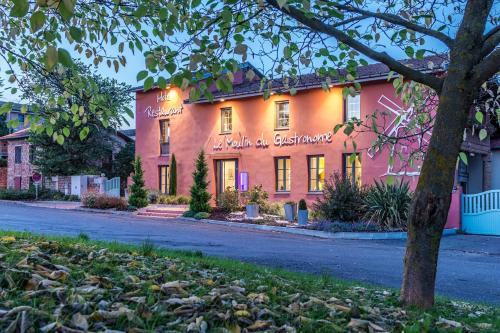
x,y
226,175
164,179
17,183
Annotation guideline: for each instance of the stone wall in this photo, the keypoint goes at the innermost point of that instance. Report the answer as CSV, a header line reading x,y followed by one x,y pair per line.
x,y
23,170
3,177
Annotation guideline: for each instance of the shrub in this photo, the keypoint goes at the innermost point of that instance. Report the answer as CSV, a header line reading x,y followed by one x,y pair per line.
x,y
201,215
256,195
200,197
189,213
102,201
342,200
388,205
302,204
138,196
10,194
173,199
229,201
272,208
172,187
153,196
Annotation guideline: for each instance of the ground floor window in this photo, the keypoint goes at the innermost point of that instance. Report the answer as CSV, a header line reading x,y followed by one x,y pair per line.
x,y
351,167
164,179
316,167
283,174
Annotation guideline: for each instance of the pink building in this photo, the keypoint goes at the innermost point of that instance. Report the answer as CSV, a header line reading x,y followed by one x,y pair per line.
x,y
286,143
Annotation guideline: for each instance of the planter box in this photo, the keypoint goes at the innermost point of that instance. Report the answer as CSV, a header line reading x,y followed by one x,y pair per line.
x,y
252,211
303,217
290,210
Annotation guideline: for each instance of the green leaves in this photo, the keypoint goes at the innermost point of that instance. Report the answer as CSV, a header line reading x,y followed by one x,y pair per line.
x,y
50,57
37,20
76,33
20,8
148,84
142,75
482,134
5,108
64,57
84,133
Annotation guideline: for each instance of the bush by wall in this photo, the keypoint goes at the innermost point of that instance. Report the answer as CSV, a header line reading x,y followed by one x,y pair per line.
x,y
342,200
229,201
102,201
388,205
200,197
43,194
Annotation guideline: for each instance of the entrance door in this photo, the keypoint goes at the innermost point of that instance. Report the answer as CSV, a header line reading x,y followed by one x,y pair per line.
x,y
226,175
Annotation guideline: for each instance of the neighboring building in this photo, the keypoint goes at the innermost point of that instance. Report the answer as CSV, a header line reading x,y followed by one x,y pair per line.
x,y
286,143
20,155
129,132
15,113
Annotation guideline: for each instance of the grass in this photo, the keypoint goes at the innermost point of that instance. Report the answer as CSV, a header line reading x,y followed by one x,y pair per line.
x,y
302,302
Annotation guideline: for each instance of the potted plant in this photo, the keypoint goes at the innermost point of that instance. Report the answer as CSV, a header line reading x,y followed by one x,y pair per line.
x,y
290,207
252,209
256,197
303,213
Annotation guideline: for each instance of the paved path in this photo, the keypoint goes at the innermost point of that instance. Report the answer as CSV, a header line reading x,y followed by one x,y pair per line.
x,y
469,266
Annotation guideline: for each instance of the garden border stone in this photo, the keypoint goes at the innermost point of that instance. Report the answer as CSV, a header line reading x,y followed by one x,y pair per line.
x,y
317,233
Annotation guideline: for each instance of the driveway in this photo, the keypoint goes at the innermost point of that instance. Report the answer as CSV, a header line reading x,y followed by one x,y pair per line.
x,y
469,266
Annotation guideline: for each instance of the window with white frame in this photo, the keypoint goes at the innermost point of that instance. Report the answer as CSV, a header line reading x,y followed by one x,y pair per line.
x,y
282,115
353,107
226,120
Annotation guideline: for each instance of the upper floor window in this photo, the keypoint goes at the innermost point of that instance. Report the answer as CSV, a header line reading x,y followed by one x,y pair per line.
x,y
282,115
20,118
316,166
17,154
283,174
164,137
353,107
226,120
351,167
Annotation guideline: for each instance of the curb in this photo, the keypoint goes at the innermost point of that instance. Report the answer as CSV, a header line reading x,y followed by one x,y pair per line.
x,y
316,233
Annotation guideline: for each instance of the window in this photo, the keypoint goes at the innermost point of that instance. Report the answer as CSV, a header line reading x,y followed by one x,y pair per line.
x,y
353,108
20,118
282,115
283,174
316,166
164,137
164,179
226,120
18,154
351,167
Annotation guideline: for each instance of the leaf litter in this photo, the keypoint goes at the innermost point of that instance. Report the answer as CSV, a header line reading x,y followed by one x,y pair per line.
x,y
49,286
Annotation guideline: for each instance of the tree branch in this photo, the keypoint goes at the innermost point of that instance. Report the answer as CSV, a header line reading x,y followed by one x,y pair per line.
x,y
486,68
401,22
491,41
313,23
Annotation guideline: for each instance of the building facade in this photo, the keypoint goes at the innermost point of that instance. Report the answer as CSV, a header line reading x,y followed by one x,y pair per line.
x,y
285,143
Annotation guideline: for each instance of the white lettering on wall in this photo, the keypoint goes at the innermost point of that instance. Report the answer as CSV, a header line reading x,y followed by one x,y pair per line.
x,y
162,112
280,140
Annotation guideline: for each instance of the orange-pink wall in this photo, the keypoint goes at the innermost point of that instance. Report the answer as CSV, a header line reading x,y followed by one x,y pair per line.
x,y
198,127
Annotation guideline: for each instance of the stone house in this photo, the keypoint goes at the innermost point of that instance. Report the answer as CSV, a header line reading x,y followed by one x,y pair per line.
x,y
20,157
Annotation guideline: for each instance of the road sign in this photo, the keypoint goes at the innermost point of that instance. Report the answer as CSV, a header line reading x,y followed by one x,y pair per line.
x,y
36,177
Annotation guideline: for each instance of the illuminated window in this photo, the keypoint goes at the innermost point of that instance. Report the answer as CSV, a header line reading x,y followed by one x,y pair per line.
x,y
226,120
352,167
164,137
282,115
316,166
283,174
164,179
353,107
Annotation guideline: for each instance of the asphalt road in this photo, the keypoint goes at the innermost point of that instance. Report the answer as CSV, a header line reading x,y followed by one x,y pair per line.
x,y
469,266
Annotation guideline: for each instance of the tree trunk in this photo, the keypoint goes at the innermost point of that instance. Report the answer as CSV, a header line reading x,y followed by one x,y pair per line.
x,y
432,197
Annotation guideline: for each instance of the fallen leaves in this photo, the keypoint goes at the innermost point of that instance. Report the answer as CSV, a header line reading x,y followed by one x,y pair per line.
x,y
50,287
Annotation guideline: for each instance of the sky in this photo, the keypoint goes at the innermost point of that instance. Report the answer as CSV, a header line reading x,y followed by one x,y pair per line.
x,y
135,63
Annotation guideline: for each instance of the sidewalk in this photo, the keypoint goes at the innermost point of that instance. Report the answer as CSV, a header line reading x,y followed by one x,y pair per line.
x,y
48,204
